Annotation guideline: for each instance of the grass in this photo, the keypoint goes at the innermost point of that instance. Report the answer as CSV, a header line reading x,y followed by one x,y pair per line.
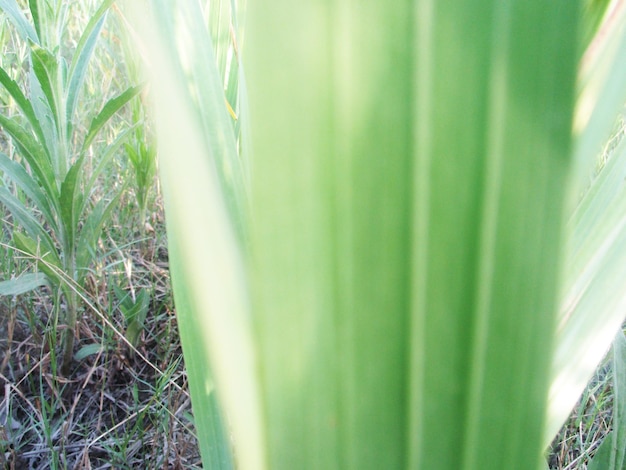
x,y
115,409
125,403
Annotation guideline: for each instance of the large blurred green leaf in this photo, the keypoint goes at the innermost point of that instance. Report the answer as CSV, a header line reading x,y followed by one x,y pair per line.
x,y
410,167
189,159
407,227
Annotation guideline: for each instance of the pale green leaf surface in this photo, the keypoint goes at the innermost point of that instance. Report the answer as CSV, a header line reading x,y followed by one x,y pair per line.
x,y
594,281
207,262
24,28
410,164
22,284
602,93
80,61
196,43
362,234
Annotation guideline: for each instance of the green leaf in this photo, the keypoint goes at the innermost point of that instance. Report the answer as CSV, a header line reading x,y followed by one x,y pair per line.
x,y
70,200
104,160
215,443
594,293
89,350
45,66
82,55
26,183
33,152
601,96
91,231
24,28
110,108
22,102
408,227
221,139
24,283
134,312
26,220
48,262
33,6
178,123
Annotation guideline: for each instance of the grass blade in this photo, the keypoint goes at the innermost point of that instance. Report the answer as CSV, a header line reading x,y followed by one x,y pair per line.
x,y
27,220
108,110
24,28
26,183
48,262
81,58
22,102
90,233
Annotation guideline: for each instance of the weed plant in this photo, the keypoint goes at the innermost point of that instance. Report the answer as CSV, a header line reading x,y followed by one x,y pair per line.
x,y
50,144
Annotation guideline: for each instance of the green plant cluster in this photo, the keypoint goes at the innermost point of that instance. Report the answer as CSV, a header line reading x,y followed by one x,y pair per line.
x,y
57,164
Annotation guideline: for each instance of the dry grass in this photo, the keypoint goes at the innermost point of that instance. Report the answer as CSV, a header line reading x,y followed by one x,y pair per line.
x,y
117,409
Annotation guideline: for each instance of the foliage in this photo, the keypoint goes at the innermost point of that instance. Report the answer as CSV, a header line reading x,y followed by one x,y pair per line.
x,y
55,155
386,291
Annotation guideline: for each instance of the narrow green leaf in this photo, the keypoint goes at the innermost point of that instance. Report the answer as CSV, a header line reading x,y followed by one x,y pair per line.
x,y
48,262
89,350
105,158
82,55
24,283
47,122
34,154
14,12
215,442
22,102
221,140
110,108
26,220
31,188
70,200
602,94
91,231
594,281
201,320
45,66
33,6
